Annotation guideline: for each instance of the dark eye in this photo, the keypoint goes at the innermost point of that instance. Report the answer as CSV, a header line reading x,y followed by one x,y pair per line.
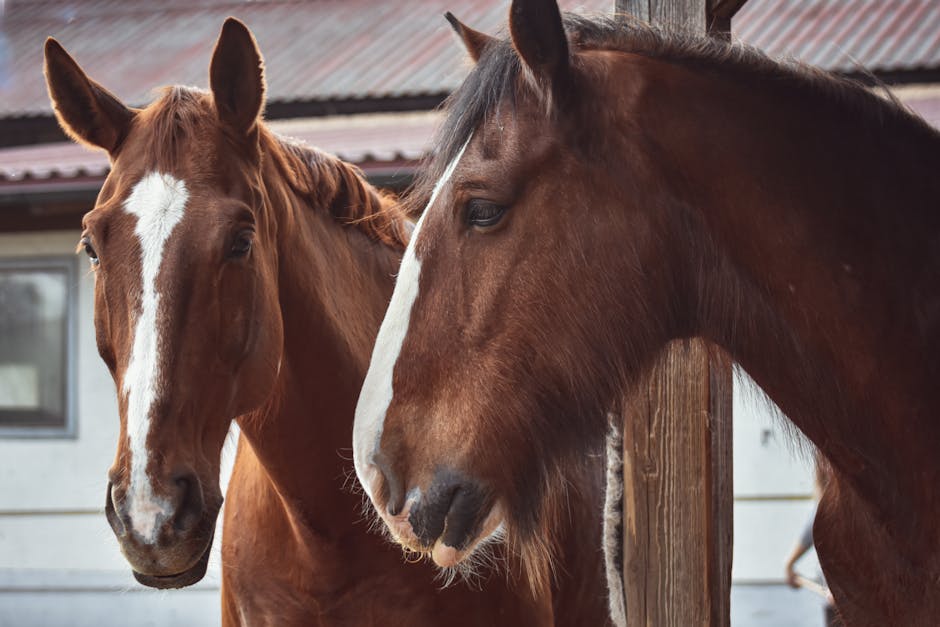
x,y
241,245
483,213
90,251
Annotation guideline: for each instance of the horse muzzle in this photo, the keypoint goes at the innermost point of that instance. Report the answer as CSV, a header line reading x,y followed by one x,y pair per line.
x,y
180,580
167,541
448,520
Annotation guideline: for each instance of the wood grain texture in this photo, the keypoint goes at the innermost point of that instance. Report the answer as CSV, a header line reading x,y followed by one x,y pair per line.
x,y
677,491
696,16
689,15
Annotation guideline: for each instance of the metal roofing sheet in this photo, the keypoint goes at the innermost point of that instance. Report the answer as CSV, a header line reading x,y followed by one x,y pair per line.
x,y
351,49
370,141
321,50
846,35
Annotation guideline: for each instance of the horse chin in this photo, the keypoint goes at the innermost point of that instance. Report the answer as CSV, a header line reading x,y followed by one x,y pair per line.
x,y
188,577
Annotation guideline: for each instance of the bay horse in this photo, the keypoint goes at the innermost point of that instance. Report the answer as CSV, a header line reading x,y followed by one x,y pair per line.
x,y
239,275
600,188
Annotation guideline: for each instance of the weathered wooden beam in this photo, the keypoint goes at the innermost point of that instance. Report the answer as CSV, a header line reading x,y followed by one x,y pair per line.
x,y
697,16
678,493
689,15
678,497
725,8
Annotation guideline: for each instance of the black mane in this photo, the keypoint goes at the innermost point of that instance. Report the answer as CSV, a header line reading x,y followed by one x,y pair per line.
x,y
495,78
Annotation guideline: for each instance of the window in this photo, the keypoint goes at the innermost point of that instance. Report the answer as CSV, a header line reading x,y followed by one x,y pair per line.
x,y
37,347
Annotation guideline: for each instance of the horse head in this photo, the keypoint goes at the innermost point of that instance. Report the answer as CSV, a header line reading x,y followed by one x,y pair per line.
x,y
467,428
186,301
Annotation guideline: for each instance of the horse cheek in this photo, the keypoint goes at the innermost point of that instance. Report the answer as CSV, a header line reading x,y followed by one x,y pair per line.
x,y
263,343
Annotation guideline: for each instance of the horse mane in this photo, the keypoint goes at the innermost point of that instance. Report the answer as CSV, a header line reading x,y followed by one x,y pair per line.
x,y
325,180
321,179
495,79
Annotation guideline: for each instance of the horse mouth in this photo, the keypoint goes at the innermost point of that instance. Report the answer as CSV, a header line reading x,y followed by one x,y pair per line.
x,y
441,552
188,577
491,530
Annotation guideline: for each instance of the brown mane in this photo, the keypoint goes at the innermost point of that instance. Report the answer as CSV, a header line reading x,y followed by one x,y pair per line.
x,y
327,181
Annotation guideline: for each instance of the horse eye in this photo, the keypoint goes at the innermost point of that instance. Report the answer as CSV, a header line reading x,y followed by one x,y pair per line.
x,y
90,251
483,213
242,245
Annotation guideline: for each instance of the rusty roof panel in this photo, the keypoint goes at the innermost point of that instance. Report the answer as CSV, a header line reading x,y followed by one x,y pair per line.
x,y
321,50
352,49
846,35
371,141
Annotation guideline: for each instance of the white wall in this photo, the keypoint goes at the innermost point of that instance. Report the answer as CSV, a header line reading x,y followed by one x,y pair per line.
x,y
773,488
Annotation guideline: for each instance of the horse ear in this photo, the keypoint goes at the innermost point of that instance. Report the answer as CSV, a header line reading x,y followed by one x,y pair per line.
x,y
473,40
87,112
539,38
236,76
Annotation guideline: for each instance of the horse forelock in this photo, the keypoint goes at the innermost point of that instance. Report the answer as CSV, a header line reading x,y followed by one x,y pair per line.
x,y
174,120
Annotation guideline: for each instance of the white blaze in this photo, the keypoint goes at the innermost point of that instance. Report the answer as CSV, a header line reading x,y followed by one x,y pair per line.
x,y
158,201
376,392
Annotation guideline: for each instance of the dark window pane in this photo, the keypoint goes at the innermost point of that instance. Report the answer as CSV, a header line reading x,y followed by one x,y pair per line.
x,y
33,345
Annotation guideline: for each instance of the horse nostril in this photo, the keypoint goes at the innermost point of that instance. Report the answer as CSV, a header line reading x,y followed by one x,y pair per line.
x,y
393,485
111,513
451,510
190,503
463,516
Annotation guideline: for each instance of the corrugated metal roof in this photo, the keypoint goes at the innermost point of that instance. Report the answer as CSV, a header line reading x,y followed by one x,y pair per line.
x,y
322,50
846,35
353,49
374,142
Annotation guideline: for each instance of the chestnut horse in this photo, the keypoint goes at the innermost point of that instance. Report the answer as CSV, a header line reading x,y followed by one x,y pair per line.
x,y
242,276
600,189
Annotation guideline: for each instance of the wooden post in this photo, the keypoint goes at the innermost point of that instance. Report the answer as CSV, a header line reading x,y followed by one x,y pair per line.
x,y
696,16
678,494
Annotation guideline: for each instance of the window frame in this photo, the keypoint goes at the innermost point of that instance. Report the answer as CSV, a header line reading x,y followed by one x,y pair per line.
x,y
57,263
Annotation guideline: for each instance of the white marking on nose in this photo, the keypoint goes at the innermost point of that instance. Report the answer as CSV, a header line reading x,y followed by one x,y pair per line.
x,y
158,201
377,392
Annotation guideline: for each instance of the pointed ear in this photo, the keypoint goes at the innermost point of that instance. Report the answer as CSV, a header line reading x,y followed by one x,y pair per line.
x,y
539,38
236,76
87,112
473,40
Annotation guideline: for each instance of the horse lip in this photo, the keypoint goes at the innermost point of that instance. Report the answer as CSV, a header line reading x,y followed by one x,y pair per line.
x,y
491,527
188,577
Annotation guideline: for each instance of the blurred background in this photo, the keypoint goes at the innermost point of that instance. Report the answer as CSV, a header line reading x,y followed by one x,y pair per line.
x,y
360,79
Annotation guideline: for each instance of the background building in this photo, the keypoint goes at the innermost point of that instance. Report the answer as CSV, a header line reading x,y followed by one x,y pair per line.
x,y
360,79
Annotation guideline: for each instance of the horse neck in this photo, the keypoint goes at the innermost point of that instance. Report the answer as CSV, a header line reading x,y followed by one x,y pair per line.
x,y
334,285
810,233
